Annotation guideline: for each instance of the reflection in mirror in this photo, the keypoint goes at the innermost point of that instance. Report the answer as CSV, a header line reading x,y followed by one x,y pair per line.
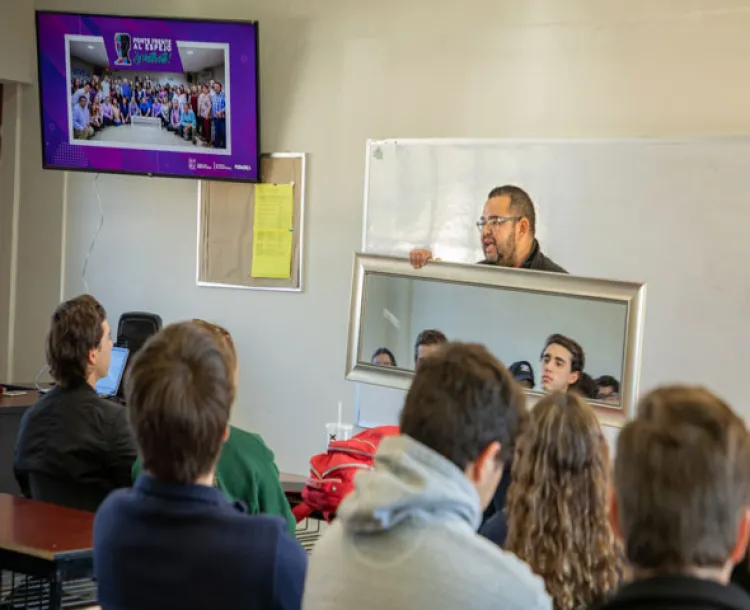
x,y
549,341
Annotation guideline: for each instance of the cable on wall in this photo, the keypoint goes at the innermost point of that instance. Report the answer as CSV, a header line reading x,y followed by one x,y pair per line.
x,y
96,235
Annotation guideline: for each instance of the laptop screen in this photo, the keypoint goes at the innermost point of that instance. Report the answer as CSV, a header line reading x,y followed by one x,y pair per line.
x,y
111,383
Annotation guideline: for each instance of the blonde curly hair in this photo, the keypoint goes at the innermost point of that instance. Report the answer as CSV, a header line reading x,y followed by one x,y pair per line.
x,y
557,503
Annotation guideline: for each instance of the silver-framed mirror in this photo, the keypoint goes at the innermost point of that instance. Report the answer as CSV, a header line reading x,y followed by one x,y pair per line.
x,y
554,331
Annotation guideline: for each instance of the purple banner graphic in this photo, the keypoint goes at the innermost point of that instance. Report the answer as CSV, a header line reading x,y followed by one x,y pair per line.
x,y
149,96
127,52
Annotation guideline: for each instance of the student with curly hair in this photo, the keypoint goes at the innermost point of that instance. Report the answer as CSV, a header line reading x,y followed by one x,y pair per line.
x,y
557,504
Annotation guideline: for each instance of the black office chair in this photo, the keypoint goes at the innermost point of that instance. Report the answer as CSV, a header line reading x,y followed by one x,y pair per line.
x,y
45,488
133,330
135,327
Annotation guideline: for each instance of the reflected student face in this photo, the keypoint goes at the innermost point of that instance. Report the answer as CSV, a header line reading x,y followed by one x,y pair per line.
x,y
557,370
382,360
499,237
424,351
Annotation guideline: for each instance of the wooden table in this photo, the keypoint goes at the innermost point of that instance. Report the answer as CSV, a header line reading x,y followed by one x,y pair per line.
x,y
46,542
11,410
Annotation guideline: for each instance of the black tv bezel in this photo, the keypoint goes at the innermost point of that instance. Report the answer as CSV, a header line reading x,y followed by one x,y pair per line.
x,y
46,166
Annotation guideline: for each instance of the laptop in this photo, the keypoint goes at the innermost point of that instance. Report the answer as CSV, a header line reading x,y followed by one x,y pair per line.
x,y
107,387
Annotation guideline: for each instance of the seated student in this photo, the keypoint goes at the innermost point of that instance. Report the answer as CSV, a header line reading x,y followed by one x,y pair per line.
x,y
426,343
174,117
586,386
557,503
156,109
681,502
107,112
166,111
608,389
187,123
116,115
71,438
562,363
383,357
246,469
145,105
174,540
134,109
523,374
406,536
82,129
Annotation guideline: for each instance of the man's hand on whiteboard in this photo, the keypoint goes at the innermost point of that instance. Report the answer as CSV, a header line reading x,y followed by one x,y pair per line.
x,y
419,257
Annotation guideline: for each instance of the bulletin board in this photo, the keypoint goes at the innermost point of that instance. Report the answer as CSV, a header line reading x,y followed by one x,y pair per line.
x,y
227,229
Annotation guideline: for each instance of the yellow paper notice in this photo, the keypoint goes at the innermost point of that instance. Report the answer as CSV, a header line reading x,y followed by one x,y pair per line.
x,y
272,231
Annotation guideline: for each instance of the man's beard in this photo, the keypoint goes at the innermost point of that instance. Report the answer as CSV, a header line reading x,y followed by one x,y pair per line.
x,y
505,257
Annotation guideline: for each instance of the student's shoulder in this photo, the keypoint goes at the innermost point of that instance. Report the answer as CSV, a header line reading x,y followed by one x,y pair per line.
x,y
511,574
115,505
248,442
263,530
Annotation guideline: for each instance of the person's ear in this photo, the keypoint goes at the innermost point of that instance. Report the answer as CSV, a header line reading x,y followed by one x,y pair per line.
x,y
523,226
743,535
226,435
614,515
574,377
486,464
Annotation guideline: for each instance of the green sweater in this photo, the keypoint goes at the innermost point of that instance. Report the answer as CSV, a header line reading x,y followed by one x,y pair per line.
x,y
247,472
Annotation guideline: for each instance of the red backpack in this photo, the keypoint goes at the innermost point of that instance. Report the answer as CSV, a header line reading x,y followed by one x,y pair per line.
x,y
332,473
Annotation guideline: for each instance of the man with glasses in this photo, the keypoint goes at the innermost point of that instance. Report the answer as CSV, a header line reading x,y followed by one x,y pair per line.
x,y
507,228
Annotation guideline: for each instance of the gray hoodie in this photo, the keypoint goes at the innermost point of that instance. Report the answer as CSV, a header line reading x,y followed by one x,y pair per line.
x,y
406,539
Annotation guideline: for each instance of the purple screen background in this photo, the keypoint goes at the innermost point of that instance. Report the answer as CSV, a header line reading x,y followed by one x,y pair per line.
x,y
55,92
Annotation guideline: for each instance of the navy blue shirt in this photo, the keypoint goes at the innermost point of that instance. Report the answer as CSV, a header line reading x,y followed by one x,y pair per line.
x,y
164,545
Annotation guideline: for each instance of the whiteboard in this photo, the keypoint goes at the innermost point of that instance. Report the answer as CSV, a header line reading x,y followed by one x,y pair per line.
x,y
672,213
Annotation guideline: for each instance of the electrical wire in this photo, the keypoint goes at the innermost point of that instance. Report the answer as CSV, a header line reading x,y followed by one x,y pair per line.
x,y
44,369
96,235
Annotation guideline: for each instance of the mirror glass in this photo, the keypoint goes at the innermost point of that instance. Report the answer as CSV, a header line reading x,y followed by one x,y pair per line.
x,y
404,319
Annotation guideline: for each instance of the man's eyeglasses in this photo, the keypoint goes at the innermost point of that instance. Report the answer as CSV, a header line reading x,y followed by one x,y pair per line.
x,y
495,221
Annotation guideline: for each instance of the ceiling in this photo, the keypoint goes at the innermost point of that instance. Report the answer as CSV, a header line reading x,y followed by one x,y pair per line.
x,y
194,59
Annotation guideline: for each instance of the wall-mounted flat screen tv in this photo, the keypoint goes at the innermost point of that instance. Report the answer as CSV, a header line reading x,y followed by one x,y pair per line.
x,y
140,95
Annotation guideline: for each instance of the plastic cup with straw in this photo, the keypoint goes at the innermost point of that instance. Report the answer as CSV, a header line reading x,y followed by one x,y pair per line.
x,y
338,431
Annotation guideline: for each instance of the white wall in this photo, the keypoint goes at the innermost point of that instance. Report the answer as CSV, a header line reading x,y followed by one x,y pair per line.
x,y
334,74
10,160
17,51
514,325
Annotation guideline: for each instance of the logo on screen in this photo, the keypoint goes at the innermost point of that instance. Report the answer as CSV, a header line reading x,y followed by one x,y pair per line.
x,y
122,47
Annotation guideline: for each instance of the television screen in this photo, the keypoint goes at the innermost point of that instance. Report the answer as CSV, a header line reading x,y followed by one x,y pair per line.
x,y
149,96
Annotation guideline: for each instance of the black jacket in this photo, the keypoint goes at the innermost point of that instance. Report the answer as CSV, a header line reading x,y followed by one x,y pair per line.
x,y
72,435
536,261
676,593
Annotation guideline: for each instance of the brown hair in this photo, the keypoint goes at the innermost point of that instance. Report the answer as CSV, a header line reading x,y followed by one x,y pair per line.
x,y
428,337
75,329
230,351
682,480
577,357
180,390
461,400
557,502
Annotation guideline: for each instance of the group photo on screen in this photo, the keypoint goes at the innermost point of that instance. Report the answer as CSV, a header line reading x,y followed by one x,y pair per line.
x,y
147,109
